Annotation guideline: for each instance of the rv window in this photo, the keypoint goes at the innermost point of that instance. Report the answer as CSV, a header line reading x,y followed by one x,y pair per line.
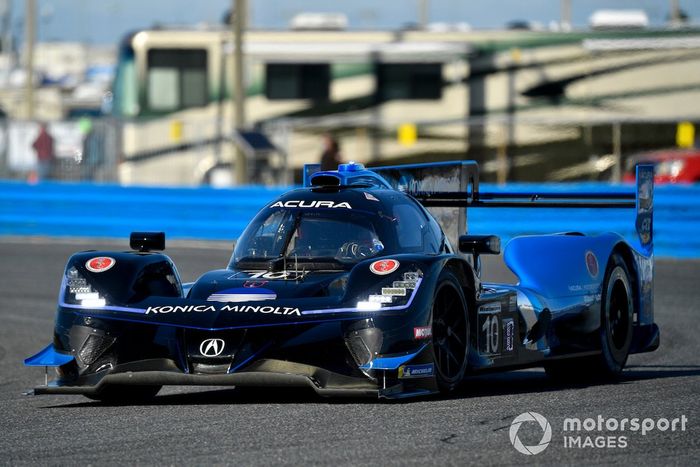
x,y
409,81
297,81
177,79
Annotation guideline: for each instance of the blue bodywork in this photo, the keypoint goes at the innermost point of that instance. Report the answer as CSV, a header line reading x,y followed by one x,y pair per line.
x,y
553,271
49,357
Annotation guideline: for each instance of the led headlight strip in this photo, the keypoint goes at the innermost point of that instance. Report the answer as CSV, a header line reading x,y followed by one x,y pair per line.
x,y
78,291
398,296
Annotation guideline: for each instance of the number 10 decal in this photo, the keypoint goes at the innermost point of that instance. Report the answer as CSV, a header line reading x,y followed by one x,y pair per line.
x,y
491,335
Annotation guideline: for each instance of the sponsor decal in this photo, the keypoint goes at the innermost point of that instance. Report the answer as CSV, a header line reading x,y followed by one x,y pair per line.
x,y
165,309
422,332
508,332
295,203
370,196
494,307
242,295
254,284
212,347
384,266
512,303
584,287
100,264
271,275
394,291
275,310
644,228
416,371
592,263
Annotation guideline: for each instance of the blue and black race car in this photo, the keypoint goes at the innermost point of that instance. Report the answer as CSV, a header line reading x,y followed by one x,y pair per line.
x,y
364,282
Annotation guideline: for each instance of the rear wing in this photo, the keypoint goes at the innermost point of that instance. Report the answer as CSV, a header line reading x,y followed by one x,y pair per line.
x,y
446,188
642,200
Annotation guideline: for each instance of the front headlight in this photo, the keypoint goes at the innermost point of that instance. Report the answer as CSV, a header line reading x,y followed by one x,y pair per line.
x,y
78,291
393,292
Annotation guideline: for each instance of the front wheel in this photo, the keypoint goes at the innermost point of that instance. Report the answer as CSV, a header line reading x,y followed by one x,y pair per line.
x,y
450,324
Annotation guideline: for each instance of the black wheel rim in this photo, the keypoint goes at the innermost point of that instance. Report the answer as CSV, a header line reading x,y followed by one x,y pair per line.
x,y
449,333
618,315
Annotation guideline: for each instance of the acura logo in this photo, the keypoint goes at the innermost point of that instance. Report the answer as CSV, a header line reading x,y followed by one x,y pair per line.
x,y
211,347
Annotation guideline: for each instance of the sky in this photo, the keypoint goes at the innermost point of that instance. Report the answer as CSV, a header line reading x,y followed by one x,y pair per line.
x,y
106,21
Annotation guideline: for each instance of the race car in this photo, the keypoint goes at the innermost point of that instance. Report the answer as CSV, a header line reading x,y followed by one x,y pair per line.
x,y
362,283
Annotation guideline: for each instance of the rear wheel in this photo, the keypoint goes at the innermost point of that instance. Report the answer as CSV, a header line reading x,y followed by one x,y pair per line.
x,y
450,332
615,334
618,318
116,394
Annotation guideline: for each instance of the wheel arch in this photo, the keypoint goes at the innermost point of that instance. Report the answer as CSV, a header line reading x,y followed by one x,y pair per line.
x,y
465,274
468,280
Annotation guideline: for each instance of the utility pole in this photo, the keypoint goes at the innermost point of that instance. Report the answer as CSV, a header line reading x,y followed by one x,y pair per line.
x,y
423,14
675,12
6,26
29,27
238,98
565,21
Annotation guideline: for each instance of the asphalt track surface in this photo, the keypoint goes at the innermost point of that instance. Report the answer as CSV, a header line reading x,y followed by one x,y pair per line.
x,y
223,426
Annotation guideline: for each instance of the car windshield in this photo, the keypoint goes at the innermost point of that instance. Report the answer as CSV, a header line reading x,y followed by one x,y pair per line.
x,y
310,235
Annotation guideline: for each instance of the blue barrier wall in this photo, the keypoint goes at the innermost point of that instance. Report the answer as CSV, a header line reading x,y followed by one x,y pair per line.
x,y
676,216
83,210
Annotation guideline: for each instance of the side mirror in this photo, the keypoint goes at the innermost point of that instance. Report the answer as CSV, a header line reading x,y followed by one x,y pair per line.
x,y
147,241
480,244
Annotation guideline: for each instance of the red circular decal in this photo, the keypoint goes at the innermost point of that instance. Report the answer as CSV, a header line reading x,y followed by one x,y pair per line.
x,y
100,264
592,263
384,266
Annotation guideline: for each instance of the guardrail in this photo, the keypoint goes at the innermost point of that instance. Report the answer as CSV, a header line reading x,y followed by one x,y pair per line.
x,y
112,211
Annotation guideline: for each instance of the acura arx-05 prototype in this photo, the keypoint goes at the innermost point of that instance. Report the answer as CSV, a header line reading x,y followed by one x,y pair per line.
x,y
363,282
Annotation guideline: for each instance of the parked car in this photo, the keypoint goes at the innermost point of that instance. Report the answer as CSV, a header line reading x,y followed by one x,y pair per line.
x,y
670,165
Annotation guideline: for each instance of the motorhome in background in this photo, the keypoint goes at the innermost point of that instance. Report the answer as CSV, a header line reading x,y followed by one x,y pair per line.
x,y
528,105
454,93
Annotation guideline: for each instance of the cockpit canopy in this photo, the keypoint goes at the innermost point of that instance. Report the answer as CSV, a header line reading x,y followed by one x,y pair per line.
x,y
344,226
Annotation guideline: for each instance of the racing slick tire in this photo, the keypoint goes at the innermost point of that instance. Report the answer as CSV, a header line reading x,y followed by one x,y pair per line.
x,y
121,394
450,324
615,333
